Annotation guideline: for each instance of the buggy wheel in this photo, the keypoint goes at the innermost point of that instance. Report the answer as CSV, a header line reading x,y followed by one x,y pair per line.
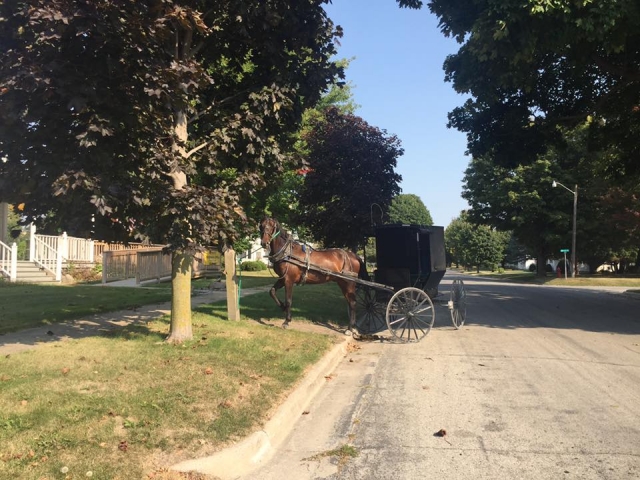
x,y
370,313
410,310
458,303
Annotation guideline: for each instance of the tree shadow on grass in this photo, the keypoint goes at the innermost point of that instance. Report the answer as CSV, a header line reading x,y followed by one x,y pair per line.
x,y
321,305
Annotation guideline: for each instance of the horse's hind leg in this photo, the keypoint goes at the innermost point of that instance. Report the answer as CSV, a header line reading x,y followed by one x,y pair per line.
x,y
288,295
349,292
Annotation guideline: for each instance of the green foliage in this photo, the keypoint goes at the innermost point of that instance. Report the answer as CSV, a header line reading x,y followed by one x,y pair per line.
x,y
352,165
558,63
554,81
521,199
138,111
253,266
15,233
242,245
408,208
280,197
474,245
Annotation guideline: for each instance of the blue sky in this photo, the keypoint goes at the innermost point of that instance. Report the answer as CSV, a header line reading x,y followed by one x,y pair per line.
x,y
398,82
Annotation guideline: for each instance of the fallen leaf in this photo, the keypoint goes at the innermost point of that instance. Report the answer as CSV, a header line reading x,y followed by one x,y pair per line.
x,y
226,404
123,445
442,433
65,370
23,402
306,412
208,371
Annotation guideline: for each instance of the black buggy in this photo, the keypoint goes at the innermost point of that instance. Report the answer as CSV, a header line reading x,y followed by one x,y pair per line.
x,y
410,265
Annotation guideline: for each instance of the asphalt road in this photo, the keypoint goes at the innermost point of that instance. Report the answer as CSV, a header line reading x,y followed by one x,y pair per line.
x,y
540,383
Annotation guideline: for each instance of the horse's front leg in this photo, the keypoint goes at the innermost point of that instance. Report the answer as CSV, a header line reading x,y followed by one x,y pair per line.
x,y
277,286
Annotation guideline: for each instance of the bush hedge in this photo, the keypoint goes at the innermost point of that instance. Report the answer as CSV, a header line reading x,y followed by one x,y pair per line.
x,y
252,266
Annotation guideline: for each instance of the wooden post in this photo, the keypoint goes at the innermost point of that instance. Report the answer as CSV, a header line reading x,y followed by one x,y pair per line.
x,y
4,223
233,310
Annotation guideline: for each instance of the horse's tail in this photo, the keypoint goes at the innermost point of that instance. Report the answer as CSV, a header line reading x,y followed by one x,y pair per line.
x,y
362,272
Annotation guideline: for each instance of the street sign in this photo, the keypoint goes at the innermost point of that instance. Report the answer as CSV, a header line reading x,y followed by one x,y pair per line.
x,y
564,250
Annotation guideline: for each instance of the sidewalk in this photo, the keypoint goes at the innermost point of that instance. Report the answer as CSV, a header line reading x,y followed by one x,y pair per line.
x,y
22,340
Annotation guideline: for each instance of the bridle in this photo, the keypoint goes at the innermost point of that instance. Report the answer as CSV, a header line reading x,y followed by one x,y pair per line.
x,y
272,235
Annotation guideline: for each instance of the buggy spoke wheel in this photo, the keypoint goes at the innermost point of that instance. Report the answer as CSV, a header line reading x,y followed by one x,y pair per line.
x,y
410,314
458,303
370,312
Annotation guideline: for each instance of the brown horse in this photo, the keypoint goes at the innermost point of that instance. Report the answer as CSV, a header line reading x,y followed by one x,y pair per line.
x,y
298,264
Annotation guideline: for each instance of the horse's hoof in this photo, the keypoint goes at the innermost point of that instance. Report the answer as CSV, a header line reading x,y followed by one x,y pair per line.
x,y
352,333
285,325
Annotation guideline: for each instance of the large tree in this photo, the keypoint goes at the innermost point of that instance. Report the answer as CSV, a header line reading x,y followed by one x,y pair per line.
x,y
162,114
535,65
351,167
409,208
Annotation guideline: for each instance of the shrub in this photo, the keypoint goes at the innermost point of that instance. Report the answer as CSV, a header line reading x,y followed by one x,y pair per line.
x,y
252,266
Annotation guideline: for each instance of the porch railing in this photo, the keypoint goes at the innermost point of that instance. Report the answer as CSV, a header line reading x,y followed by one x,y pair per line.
x,y
46,256
9,260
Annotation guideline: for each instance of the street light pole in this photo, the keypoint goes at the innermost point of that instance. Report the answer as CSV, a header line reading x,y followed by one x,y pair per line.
x,y
574,267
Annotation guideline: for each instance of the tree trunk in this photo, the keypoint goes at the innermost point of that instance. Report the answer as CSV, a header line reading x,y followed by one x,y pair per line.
x,y
541,264
181,264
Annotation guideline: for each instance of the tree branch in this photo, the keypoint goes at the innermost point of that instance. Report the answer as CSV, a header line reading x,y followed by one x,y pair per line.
x,y
196,149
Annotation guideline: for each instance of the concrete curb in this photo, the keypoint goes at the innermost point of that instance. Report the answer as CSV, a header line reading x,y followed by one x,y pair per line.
x,y
247,455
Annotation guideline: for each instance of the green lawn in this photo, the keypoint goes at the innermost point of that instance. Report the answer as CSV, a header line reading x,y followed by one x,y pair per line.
x,y
25,305
128,405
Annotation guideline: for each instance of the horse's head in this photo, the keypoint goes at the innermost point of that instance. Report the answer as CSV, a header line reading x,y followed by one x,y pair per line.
x,y
269,229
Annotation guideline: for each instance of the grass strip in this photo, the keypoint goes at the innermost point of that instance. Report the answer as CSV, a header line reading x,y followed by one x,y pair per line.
x,y
517,276
128,405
